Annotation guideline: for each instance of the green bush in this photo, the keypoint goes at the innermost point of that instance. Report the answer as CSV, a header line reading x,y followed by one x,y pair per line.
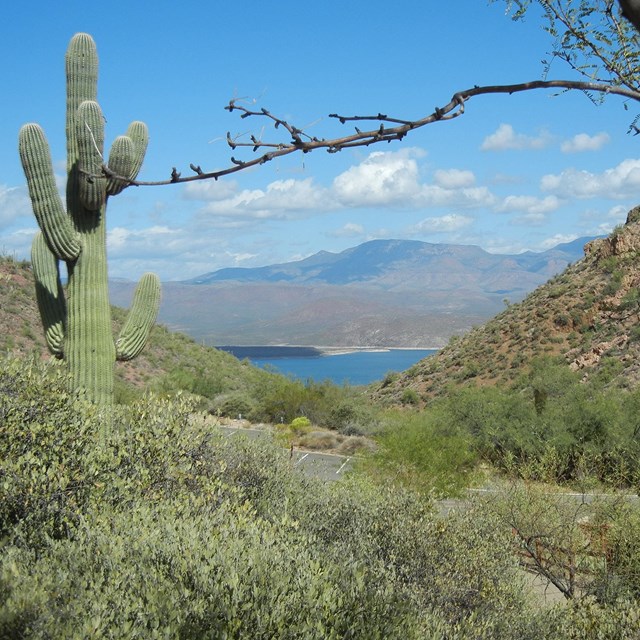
x,y
140,522
421,451
233,405
409,396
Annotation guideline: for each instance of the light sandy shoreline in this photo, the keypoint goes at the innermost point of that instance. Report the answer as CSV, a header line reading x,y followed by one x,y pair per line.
x,y
335,351
340,351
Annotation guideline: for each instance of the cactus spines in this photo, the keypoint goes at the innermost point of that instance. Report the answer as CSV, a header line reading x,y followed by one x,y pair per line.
x,y
78,329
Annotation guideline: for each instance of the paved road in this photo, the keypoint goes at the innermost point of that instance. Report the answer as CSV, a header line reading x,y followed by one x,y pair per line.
x,y
326,466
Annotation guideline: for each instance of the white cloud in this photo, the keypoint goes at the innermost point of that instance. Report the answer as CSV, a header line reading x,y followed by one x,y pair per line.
x,y
505,138
558,238
454,178
349,230
530,220
17,243
383,178
435,196
618,212
14,204
529,204
282,199
150,241
393,178
620,182
442,224
584,142
210,190
239,258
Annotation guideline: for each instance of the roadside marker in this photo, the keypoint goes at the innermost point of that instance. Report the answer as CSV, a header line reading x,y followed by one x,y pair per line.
x,y
300,460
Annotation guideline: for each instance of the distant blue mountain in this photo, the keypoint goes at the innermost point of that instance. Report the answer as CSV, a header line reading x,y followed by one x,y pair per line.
x,y
406,264
401,293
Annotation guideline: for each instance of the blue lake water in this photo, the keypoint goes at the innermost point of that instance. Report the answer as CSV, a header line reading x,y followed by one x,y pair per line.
x,y
360,367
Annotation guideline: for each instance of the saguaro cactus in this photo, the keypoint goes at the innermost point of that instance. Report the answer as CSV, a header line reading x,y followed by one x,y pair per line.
x,y
78,329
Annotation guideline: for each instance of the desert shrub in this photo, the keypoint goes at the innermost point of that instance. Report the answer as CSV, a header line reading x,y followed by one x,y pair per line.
x,y
631,300
623,547
497,421
280,400
300,425
214,574
389,378
634,333
232,405
352,445
319,440
608,264
197,381
615,282
138,522
422,451
409,396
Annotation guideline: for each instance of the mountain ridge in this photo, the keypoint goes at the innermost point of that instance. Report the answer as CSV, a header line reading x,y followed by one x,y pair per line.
x,y
369,263
386,293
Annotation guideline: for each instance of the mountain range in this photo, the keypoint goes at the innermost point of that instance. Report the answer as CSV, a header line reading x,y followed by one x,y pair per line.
x,y
398,293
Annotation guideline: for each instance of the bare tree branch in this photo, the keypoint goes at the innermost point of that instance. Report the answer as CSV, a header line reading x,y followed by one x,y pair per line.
x,y
300,141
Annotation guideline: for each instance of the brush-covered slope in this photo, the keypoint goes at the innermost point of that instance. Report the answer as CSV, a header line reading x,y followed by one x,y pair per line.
x,y
589,315
169,362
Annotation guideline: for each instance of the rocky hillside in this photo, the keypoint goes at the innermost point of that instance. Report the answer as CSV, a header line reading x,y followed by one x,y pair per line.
x,y
170,361
589,315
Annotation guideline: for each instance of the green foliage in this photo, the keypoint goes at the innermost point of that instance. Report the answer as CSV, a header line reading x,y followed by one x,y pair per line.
x,y
159,527
587,429
591,38
631,300
614,284
300,425
281,400
423,451
409,396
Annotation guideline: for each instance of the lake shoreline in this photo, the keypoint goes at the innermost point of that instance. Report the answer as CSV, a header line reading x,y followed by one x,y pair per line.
x,y
307,351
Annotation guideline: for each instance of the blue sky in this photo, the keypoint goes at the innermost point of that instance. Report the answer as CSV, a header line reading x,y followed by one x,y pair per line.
x,y
514,173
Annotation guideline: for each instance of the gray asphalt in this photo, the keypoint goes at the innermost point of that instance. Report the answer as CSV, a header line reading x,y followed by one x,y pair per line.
x,y
326,466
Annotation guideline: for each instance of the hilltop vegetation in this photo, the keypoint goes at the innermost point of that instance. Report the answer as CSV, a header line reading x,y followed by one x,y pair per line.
x,y
172,363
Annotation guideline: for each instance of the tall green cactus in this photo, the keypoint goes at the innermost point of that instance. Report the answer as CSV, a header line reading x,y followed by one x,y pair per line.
x,y
78,329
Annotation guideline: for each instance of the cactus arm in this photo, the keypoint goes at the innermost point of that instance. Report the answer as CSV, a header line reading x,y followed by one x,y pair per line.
x,y
81,63
49,294
139,135
126,156
47,205
141,318
92,185
120,162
